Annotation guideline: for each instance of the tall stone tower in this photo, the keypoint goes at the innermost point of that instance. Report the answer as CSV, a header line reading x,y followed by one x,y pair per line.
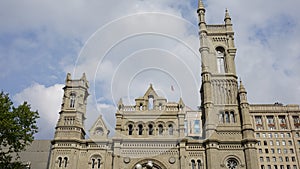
x,y
224,106
70,124
69,131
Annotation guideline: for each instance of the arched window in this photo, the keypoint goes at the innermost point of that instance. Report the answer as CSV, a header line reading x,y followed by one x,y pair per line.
x,y
72,100
59,161
160,106
196,126
170,129
150,103
140,126
96,162
199,164
66,161
220,59
160,129
193,164
186,127
99,163
93,163
232,118
221,117
150,129
141,106
227,120
130,129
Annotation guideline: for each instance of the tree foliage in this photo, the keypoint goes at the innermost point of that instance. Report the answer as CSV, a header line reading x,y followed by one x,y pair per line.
x,y
17,129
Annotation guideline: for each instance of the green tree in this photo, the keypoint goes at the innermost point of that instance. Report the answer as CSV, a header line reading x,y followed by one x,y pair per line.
x,y
17,129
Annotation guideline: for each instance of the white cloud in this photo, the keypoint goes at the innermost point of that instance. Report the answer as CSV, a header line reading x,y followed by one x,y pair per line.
x,y
47,101
268,52
143,53
265,35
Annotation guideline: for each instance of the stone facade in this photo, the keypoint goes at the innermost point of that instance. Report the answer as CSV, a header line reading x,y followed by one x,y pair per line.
x,y
226,131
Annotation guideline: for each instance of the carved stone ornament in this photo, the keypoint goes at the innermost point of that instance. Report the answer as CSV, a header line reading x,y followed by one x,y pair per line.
x,y
126,160
172,160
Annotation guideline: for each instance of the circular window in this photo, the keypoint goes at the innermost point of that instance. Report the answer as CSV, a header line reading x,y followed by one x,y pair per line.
x,y
232,163
99,131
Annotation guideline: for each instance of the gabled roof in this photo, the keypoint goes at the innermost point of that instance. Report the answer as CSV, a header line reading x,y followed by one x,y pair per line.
x,y
150,92
99,129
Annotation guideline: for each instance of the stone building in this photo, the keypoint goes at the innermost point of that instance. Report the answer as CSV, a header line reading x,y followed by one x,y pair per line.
x,y
226,131
277,130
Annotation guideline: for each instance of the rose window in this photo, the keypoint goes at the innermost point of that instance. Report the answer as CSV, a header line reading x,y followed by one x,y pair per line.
x,y
232,163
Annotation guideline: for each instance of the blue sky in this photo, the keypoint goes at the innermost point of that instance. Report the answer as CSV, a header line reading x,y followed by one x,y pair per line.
x,y
40,41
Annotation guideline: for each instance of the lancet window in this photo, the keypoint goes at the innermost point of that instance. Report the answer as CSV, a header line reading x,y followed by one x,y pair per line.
x,y
72,100
220,59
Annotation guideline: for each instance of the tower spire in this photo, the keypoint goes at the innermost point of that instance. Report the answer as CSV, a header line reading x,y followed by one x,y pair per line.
x,y
227,18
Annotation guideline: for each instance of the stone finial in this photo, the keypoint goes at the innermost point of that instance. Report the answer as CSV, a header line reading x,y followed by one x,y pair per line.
x,y
83,77
200,5
68,78
242,88
181,103
120,104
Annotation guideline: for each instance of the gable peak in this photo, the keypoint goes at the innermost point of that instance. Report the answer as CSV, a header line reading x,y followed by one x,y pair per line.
x,y
150,92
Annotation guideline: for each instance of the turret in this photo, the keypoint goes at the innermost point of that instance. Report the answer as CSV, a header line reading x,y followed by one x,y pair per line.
x,y
73,109
244,106
248,140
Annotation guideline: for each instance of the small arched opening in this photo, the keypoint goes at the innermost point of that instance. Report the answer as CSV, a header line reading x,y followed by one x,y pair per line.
x,y
140,129
150,127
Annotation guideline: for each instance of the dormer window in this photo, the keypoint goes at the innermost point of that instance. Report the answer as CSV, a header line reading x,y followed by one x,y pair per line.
x,y
141,106
160,106
72,100
150,103
196,126
220,52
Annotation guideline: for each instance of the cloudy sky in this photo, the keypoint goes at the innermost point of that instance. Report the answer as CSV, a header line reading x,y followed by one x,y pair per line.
x,y
123,46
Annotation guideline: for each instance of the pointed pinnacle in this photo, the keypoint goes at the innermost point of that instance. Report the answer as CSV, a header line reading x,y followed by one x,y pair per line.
x,y
227,16
120,101
200,4
68,78
242,88
83,77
